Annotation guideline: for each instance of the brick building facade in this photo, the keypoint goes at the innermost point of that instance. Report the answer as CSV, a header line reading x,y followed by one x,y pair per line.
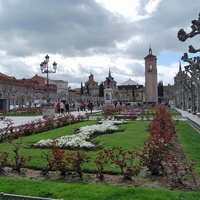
x,y
111,81
151,83
91,87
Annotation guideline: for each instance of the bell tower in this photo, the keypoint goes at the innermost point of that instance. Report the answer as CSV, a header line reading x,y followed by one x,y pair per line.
x,y
151,84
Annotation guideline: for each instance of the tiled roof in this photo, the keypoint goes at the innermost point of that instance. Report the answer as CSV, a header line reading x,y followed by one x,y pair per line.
x,y
129,82
5,76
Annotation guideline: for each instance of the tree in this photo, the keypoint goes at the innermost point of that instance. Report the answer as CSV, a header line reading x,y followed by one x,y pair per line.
x,y
192,71
87,90
101,90
81,88
160,91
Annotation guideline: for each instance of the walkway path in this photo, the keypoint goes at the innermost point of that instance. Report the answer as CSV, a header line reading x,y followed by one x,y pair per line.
x,y
186,114
193,119
18,120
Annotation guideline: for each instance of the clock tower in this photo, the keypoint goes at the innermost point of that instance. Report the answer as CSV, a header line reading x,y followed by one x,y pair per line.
x,y
151,85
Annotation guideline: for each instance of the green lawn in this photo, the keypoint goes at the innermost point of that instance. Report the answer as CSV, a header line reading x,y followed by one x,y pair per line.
x,y
173,112
132,136
190,139
89,192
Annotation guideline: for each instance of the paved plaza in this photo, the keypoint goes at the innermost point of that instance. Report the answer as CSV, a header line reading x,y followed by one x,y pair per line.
x,y
186,114
24,120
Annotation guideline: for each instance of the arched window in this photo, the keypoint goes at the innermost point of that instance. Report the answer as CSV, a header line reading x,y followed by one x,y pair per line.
x,y
150,68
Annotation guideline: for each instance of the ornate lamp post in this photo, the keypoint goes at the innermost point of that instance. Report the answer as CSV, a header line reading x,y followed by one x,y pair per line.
x,y
45,70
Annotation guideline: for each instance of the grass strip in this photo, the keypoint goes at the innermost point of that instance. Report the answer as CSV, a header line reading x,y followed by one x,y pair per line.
x,y
88,192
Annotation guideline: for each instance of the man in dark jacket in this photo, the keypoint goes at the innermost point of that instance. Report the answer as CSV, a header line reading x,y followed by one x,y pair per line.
x,y
67,107
90,107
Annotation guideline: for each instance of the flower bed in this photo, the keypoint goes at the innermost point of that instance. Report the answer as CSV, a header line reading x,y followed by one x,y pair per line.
x,y
81,137
38,126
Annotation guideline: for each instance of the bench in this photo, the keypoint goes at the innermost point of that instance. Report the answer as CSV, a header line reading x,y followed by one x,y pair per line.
x,y
131,117
5,196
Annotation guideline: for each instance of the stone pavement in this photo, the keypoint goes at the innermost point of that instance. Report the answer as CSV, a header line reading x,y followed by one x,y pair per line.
x,y
194,120
187,115
18,120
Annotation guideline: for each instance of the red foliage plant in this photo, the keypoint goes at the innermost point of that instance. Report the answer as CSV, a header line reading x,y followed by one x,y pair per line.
x,y
153,154
177,171
156,146
124,160
101,161
3,159
162,125
59,162
76,161
18,161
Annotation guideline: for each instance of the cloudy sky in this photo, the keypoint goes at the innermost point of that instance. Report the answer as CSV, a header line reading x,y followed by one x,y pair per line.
x,y
91,36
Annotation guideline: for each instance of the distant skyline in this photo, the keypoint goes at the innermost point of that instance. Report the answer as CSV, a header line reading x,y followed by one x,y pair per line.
x,y
93,36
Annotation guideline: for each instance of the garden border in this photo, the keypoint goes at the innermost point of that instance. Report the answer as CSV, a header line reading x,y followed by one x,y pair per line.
x,y
193,124
5,196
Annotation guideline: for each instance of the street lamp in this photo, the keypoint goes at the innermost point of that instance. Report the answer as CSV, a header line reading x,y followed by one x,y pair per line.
x,y
22,100
45,70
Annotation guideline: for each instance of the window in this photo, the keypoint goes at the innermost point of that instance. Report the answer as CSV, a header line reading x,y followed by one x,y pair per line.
x,y
150,68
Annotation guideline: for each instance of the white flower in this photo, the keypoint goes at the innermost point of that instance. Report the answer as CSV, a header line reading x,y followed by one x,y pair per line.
x,y
83,134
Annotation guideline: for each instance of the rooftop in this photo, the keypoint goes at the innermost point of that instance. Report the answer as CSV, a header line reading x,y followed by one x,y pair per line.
x,y
129,82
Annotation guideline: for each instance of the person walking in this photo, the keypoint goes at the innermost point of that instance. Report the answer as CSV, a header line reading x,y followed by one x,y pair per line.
x,y
58,107
83,106
67,107
90,107
62,107
78,106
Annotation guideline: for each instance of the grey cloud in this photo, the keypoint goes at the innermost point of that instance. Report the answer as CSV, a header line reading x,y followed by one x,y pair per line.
x,y
66,27
160,30
74,28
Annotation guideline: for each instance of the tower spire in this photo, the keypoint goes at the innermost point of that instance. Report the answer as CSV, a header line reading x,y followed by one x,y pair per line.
x,y
150,50
109,74
180,68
